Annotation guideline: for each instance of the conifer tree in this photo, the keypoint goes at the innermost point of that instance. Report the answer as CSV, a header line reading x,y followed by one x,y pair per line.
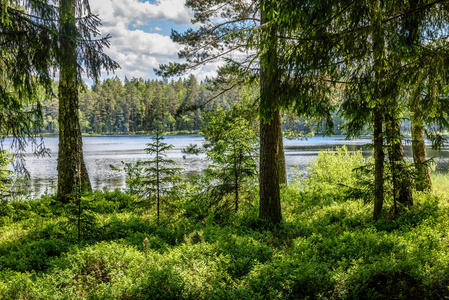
x,y
28,48
231,143
270,121
76,49
37,37
359,45
159,179
230,31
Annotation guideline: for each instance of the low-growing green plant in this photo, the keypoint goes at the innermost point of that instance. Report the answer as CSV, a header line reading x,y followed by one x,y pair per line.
x,y
5,174
325,248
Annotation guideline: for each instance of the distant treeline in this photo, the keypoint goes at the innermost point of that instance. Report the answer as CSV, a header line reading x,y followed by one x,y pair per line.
x,y
135,106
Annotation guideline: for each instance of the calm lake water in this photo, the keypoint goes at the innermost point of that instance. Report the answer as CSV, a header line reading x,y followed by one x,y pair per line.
x,y
101,152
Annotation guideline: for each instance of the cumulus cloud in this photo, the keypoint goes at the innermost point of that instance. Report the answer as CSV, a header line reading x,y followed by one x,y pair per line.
x,y
114,11
136,49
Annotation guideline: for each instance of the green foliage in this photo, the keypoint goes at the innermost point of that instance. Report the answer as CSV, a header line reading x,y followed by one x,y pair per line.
x,y
160,181
335,167
327,247
31,52
136,106
154,179
337,175
5,159
231,143
80,214
191,149
134,173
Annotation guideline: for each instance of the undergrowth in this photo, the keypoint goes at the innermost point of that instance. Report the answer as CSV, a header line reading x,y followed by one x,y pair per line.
x,y
327,247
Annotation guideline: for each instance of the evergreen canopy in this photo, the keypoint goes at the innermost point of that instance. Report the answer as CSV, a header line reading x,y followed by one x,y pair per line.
x,y
30,56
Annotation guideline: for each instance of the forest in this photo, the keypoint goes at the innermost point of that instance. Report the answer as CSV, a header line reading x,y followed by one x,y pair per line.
x,y
135,106
348,228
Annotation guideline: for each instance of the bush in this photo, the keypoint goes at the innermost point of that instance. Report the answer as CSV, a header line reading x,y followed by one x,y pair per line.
x,y
28,255
323,249
5,159
333,175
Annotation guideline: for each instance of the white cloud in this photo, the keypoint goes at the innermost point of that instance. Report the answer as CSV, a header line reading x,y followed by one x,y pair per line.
x,y
137,51
138,23
114,11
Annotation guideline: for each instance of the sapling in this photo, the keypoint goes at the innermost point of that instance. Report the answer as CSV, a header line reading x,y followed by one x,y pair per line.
x,y
231,143
155,178
79,210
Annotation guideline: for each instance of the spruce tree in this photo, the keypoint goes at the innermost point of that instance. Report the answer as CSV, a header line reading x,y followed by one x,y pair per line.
x,y
230,32
77,48
36,38
231,144
28,49
359,46
159,179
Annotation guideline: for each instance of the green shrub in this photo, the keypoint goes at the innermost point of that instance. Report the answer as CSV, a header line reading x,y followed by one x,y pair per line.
x,y
325,248
5,159
290,278
333,175
28,255
15,285
104,202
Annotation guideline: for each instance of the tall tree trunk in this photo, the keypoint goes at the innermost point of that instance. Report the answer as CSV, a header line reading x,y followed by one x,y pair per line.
x,y
379,66
281,159
423,181
401,178
379,158
157,179
270,200
71,168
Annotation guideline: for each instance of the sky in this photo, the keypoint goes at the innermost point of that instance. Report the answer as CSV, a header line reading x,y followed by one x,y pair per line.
x,y
140,34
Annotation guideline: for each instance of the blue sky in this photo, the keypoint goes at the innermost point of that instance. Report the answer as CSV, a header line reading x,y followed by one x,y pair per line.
x,y
158,26
140,33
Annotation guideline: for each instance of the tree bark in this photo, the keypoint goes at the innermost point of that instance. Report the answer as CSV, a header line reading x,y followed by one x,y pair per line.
x,y
270,200
379,158
378,113
422,181
71,168
281,159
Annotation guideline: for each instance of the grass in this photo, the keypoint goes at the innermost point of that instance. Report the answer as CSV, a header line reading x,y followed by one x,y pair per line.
x,y
327,247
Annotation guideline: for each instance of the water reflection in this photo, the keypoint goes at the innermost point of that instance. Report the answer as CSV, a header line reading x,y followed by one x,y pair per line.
x,y
101,152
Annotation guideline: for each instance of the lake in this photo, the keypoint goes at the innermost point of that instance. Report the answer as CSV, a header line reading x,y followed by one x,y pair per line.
x,y
101,152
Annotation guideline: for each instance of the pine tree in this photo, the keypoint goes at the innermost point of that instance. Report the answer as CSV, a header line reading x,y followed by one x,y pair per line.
x,y
228,30
231,143
159,179
71,167
361,47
